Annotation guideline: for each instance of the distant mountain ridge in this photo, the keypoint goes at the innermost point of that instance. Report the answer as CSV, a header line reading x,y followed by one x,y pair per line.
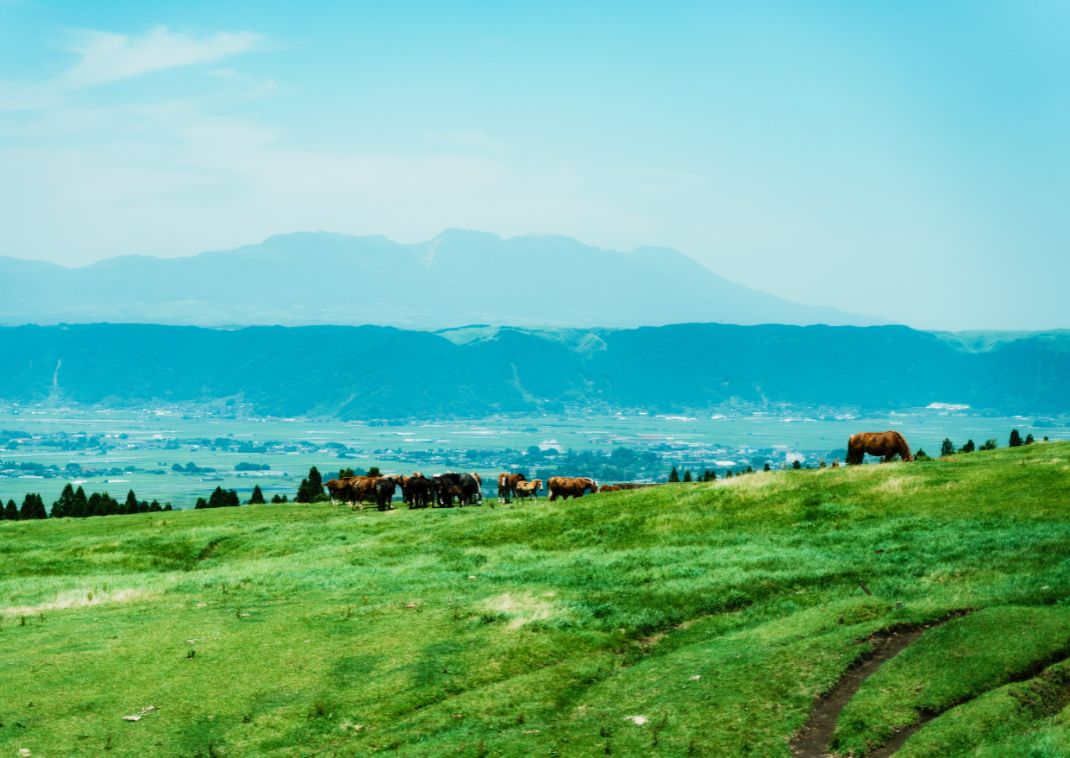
x,y
372,372
459,277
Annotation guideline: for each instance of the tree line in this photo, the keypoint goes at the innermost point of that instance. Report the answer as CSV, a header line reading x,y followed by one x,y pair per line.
x,y
947,447
74,503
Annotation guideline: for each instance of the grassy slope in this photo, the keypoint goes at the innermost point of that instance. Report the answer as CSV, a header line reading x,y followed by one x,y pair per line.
x,y
717,612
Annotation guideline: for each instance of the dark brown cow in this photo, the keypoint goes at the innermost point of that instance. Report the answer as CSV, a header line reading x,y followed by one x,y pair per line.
x,y
568,486
507,486
887,445
472,489
610,488
447,488
416,490
385,486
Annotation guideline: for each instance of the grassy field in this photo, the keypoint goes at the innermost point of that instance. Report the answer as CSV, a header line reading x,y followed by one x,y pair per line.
x,y
686,620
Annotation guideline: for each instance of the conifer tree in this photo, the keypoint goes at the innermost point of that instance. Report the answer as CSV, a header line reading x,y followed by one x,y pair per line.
x,y
65,503
311,489
687,475
257,498
947,447
674,475
1016,439
80,504
969,447
1029,439
130,506
767,467
11,512
33,507
276,498
109,505
989,445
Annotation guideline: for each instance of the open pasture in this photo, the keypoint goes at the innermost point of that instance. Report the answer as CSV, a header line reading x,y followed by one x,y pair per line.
x,y
686,620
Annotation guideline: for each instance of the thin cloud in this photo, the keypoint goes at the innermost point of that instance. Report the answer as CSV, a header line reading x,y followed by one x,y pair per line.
x,y
107,57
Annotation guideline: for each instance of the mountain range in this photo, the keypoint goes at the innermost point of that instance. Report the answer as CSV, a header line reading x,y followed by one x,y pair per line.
x,y
373,372
458,278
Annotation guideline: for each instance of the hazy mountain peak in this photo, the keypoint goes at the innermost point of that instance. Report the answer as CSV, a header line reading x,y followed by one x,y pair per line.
x,y
461,276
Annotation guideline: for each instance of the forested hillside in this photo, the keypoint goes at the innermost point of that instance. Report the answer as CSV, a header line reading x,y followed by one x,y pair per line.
x,y
383,372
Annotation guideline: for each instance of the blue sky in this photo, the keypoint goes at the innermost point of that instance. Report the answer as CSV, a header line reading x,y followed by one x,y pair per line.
x,y
907,159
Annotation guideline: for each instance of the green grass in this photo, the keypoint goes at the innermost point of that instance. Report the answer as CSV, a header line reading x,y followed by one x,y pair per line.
x,y
716,612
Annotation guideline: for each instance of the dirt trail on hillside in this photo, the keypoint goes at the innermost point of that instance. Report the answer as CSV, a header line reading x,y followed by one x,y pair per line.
x,y
813,739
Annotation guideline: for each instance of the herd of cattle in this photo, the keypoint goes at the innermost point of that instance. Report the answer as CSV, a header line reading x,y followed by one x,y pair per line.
x,y
452,489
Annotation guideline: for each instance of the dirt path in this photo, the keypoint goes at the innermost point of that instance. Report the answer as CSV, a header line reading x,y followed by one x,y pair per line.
x,y
813,739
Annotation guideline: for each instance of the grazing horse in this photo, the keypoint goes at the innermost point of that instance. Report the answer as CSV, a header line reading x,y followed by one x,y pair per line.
x,y
610,488
526,489
568,486
887,445
507,486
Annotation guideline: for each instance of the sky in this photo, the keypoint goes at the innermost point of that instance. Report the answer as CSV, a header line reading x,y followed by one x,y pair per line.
x,y
909,160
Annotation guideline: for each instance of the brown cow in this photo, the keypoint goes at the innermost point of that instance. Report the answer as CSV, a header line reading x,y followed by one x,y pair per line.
x,y
569,486
363,488
507,486
610,488
526,489
339,489
884,444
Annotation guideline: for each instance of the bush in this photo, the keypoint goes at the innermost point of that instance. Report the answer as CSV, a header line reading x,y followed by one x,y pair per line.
x,y
947,447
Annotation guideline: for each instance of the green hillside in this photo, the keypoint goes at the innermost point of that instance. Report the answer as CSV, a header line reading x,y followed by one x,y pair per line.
x,y
686,620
